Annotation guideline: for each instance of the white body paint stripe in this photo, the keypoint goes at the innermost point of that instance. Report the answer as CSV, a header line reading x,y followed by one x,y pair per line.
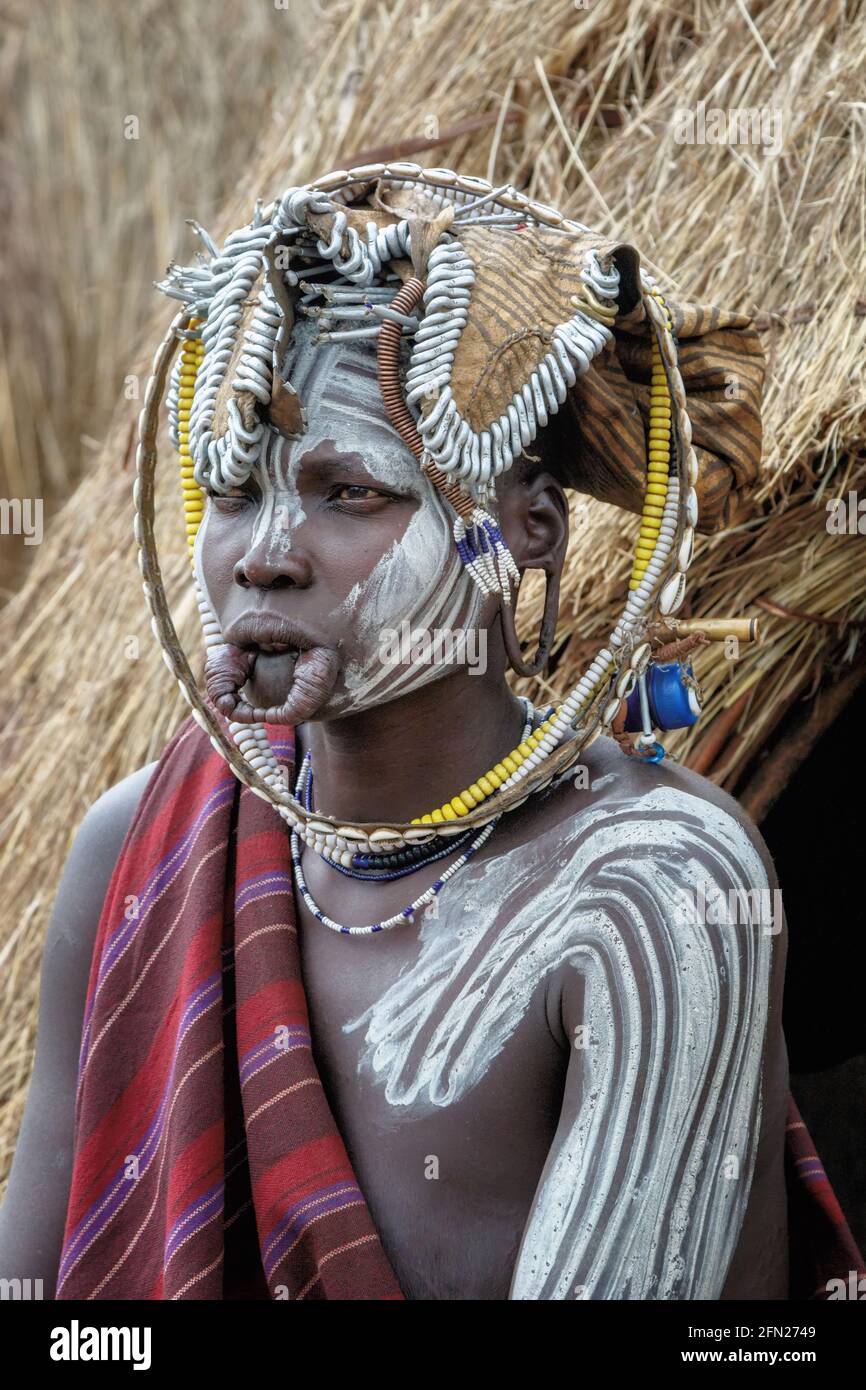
x,y
677,1015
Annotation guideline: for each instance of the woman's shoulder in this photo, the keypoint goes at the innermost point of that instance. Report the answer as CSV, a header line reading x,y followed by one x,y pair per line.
x,y
95,850
607,781
33,1213
112,812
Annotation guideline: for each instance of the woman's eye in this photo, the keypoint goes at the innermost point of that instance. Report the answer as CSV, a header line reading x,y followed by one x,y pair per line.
x,y
228,501
359,493
354,492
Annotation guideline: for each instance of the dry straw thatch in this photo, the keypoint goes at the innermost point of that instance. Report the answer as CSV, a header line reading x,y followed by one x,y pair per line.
x,y
97,168
574,104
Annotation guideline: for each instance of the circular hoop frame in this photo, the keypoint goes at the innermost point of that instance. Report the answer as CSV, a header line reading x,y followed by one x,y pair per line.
x,y
589,717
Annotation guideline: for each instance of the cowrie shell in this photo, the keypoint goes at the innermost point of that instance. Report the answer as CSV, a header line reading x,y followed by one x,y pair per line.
x,y
626,684
640,657
363,171
334,180
687,549
611,710
672,594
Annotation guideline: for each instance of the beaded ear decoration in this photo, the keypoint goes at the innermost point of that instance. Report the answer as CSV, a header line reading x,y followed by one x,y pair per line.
x,y
368,271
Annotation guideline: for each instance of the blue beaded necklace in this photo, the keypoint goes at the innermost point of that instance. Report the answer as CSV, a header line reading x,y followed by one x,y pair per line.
x,y
407,914
362,864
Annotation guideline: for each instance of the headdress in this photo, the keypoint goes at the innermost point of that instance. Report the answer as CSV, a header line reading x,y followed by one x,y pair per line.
x,y
490,314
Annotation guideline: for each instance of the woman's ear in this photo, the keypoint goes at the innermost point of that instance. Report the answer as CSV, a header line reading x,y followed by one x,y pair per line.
x,y
533,515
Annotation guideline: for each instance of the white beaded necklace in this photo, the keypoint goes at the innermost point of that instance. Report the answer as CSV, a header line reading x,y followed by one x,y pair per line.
x,y
407,914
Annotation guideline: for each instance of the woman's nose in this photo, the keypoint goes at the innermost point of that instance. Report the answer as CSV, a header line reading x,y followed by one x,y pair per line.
x,y
262,568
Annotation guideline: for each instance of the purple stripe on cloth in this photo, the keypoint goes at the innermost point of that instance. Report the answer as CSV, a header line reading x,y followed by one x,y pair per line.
x,y
258,886
101,1210
171,864
302,1213
195,1216
161,875
268,1050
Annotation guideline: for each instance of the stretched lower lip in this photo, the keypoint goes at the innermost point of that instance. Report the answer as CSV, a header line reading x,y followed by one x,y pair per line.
x,y
299,683
273,663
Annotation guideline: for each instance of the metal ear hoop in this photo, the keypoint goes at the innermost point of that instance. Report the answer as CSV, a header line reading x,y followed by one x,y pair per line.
x,y
547,633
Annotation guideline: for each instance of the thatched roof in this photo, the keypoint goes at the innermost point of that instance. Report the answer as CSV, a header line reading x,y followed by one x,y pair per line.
x,y
578,108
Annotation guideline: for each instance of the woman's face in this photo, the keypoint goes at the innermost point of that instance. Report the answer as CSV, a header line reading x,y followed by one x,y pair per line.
x,y
335,539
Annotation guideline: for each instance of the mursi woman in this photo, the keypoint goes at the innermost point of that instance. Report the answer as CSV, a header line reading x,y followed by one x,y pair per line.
x,y
379,982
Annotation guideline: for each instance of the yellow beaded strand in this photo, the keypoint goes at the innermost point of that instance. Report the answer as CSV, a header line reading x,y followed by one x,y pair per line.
x,y
658,459
485,786
658,464
658,467
192,354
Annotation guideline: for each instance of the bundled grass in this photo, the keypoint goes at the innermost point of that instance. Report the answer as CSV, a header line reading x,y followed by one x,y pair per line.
x,y
782,237
118,121
579,105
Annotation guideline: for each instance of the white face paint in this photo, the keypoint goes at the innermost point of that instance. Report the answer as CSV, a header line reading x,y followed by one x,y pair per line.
x,y
635,1200
420,578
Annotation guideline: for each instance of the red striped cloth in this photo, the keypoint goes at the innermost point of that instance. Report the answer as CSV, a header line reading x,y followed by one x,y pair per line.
x,y
822,1248
207,1161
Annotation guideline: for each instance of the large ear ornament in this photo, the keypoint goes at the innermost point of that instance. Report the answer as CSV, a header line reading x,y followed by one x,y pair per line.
x,y
547,632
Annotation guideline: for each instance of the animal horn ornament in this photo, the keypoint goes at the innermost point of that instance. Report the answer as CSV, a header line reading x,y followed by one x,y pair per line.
x,y
503,305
